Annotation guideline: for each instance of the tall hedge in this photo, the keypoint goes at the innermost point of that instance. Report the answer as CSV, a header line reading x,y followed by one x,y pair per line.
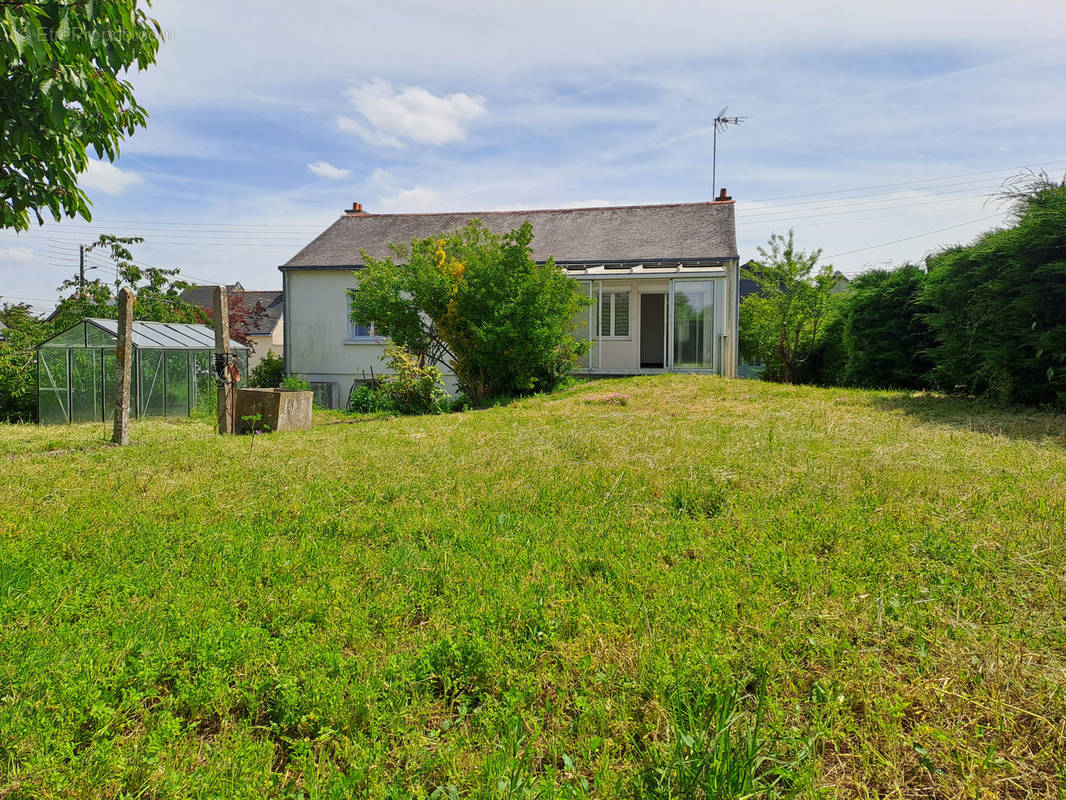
x,y
998,306
883,336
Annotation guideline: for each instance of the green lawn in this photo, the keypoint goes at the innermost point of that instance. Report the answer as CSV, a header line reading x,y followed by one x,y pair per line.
x,y
718,588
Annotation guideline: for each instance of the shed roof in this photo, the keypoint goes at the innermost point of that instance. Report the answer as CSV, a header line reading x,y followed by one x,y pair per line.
x,y
676,232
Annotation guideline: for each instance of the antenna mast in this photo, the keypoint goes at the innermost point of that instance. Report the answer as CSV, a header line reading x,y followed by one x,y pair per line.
x,y
721,122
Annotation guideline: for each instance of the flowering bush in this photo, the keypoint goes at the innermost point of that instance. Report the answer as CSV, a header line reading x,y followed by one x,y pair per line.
x,y
479,302
410,388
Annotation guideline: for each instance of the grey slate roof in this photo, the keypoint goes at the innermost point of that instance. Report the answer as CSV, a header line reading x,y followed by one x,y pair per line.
x,y
203,295
271,304
681,231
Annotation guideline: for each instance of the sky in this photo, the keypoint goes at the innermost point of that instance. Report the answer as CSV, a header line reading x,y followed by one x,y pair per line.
x,y
877,131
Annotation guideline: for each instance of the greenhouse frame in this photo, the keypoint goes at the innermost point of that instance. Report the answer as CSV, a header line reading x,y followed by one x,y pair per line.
x,y
173,371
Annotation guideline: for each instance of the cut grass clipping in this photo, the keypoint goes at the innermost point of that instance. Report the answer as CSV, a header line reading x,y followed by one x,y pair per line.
x,y
717,589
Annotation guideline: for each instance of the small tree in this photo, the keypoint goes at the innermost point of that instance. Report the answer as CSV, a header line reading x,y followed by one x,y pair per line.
x,y
479,302
158,290
267,374
781,324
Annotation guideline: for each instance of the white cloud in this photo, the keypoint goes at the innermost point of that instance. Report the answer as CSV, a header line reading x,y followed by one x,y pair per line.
x,y
410,114
416,200
324,169
103,176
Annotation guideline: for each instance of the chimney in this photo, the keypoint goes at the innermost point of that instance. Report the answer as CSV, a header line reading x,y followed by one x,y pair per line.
x,y
723,197
356,211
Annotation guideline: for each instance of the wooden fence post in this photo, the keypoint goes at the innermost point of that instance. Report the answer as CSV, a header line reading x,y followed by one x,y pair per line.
x,y
124,365
225,388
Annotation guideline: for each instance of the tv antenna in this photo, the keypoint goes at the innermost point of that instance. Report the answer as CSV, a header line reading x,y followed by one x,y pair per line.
x,y
721,122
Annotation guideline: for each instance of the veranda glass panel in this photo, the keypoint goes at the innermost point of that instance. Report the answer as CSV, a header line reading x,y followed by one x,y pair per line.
x,y
52,386
86,401
204,382
694,324
152,383
177,364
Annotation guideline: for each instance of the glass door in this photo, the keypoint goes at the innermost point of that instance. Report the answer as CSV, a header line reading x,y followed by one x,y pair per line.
x,y
692,324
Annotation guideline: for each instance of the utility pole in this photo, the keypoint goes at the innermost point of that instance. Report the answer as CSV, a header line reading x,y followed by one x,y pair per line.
x,y
721,122
81,271
222,363
124,366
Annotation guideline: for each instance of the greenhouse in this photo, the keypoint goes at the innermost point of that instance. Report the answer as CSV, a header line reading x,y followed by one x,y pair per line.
x,y
173,371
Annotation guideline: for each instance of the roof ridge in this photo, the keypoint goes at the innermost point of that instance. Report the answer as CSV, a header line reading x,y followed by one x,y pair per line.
x,y
372,215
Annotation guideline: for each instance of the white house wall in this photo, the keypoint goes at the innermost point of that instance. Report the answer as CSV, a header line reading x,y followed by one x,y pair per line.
x,y
317,348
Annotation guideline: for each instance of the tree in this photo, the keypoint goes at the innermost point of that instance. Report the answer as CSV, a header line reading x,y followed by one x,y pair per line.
x,y
781,324
243,319
999,304
480,303
62,94
158,290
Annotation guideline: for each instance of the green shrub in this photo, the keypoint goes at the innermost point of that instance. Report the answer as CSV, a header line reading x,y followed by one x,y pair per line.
x,y
878,336
295,384
269,372
18,362
409,388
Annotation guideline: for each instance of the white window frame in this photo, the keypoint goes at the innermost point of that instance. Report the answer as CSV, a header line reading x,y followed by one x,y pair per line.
x,y
351,336
613,294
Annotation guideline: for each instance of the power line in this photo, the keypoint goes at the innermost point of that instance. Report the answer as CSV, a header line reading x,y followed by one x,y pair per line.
x,y
911,183
909,238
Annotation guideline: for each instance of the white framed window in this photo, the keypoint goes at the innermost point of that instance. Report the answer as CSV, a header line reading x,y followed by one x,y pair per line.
x,y
614,315
359,333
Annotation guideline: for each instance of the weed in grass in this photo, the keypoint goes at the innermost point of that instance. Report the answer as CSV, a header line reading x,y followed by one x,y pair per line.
x,y
717,748
697,499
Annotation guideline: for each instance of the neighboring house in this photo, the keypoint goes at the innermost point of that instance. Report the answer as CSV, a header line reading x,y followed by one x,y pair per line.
x,y
266,332
663,280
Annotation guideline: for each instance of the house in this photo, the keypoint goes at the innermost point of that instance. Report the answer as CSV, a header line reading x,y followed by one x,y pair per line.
x,y
663,280
265,330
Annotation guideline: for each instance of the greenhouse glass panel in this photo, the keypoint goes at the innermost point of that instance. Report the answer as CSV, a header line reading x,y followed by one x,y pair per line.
x,y
95,337
52,387
177,374
204,382
152,383
111,385
242,365
86,384
75,337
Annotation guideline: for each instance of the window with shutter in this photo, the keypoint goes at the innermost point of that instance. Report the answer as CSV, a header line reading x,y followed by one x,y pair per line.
x,y
614,314
621,314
